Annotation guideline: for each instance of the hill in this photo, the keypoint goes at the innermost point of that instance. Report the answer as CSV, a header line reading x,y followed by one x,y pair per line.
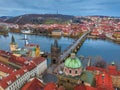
x,y
39,19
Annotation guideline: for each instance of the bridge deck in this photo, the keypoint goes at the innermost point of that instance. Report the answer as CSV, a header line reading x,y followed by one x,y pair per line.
x,y
72,47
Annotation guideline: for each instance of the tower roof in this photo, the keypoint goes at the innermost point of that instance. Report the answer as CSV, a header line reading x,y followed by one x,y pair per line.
x,y
55,43
113,63
13,40
73,62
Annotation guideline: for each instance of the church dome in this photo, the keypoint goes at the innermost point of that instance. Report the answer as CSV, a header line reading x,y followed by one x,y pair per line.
x,y
73,62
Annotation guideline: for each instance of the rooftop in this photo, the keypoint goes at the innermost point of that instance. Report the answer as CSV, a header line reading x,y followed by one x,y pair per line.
x,y
34,84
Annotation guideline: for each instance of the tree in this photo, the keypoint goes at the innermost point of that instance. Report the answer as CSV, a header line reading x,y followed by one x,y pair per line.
x,y
99,62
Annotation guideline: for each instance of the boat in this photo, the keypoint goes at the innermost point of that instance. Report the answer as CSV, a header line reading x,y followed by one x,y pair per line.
x,y
26,31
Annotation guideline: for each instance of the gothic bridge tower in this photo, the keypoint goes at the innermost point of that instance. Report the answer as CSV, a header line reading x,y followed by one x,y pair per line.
x,y
55,52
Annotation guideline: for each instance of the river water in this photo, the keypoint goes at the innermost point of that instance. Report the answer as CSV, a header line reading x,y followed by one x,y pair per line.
x,y
108,50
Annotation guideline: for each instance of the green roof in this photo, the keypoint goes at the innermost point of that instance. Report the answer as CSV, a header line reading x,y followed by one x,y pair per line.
x,y
88,77
22,52
113,63
73,62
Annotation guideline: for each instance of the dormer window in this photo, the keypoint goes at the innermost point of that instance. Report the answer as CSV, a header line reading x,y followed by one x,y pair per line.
x,y
0,77
17,76
14,70
9,82
7,75
25,70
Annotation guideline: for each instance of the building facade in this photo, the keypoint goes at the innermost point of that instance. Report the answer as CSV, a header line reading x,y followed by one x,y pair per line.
x,y
16,80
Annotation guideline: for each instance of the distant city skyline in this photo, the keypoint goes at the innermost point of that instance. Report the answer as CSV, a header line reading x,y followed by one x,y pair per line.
x,y
67,7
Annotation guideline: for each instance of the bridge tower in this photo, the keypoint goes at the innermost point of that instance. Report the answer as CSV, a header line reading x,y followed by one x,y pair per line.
x,y
55,52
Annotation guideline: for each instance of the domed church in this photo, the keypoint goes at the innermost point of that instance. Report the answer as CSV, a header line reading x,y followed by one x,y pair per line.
x,y
72,66
72,73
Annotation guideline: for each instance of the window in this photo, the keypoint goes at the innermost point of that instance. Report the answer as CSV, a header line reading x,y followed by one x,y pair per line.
x,y
68,81
70,71
103,76
76,71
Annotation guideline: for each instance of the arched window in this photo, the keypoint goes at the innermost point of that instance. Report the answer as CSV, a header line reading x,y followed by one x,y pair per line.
x,y
76,71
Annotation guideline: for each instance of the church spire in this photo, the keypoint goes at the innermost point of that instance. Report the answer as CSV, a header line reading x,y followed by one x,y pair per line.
x,y
13,44
55,43
89,62
12,39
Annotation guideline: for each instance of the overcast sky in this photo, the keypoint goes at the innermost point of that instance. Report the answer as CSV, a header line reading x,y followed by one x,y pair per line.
x,y
68,7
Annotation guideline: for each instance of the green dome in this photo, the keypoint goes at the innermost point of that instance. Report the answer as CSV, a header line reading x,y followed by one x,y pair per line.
x,y
73,62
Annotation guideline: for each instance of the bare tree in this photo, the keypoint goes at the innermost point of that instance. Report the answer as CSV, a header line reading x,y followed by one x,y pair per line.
x,y
99,62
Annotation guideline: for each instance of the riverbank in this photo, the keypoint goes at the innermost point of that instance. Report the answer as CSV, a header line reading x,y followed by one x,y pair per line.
x,y
109,36
106,36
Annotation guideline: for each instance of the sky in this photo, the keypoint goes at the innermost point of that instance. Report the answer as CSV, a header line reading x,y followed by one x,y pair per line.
x,y
67,7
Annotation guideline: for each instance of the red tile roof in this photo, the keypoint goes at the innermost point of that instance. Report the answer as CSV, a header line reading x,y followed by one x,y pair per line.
x,y
104,80
80,87
38,60
50,86
83,87
31,45
35,84
112,70
18,60
4,68
6,81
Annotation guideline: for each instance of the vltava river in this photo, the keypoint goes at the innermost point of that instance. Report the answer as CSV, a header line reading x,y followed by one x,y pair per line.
x,y
109,50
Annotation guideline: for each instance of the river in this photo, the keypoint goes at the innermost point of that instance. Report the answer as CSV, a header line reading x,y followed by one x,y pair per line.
x,y
108,50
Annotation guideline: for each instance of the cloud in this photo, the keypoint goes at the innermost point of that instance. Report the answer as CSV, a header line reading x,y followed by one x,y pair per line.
x,y
109,3
72,7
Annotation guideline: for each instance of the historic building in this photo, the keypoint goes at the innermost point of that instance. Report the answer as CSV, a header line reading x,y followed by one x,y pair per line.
x,y
73,66
55,52
56,32
116,35
72,74
13,44
18,78
111,70
104,81
33,50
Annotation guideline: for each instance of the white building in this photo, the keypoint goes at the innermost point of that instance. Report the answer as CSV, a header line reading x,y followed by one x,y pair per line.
x,y
17,79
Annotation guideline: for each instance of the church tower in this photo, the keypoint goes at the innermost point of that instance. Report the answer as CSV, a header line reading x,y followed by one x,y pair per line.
x,y
55,52
37,51
13,44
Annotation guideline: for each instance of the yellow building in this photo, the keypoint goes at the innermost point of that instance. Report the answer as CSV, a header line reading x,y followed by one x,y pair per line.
x,y
116,81
37,51
56,33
